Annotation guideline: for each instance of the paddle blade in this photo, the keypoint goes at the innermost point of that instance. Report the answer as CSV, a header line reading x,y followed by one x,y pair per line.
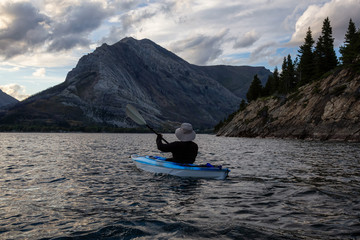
x,y
133,113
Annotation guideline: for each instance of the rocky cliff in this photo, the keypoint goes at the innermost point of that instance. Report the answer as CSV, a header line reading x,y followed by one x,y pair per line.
x,y
165,88
328,109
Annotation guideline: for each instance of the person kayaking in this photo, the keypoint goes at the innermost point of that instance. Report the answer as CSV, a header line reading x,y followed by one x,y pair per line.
x,y
183,151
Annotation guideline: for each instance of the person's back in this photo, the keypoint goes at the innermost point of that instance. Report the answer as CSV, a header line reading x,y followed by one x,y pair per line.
x,y
183,151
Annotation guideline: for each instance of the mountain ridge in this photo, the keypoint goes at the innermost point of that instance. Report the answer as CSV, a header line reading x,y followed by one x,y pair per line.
x,y
165,88
6,99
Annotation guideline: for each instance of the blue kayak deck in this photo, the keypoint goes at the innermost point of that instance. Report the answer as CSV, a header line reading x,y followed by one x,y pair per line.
x,y
159,164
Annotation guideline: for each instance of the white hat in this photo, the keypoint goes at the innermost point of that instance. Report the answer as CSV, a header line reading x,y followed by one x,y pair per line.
x,y
185,133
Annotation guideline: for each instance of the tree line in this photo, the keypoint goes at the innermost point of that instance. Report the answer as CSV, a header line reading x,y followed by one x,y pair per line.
x,y
311,63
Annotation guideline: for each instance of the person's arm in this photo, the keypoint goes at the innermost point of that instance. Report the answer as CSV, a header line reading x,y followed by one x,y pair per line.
x,y
163,147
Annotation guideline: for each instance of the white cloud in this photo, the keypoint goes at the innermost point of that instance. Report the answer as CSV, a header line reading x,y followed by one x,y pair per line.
x,y
41,59
10,69
339,13
15,90
39,72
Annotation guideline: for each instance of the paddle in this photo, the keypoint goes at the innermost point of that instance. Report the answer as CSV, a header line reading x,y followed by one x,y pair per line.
x,y
133,113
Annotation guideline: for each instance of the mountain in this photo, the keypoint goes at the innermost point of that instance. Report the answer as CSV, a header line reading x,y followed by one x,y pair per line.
x,y
166,89
6,99
237,78
328,109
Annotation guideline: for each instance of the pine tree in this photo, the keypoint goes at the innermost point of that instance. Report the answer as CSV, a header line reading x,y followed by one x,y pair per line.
x,y
287,77
272,84
325,56
267,90
242,106
291,73
357,48
255,89
283,76
348,51
306,67
276,77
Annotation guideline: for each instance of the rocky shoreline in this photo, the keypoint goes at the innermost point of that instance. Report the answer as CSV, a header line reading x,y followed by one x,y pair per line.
x,y
328,109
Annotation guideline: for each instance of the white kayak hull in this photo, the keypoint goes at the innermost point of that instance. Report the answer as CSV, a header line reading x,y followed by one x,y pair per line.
x,y
157,164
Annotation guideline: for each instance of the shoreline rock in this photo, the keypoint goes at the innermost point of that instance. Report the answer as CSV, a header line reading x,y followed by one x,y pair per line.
x,y
328,109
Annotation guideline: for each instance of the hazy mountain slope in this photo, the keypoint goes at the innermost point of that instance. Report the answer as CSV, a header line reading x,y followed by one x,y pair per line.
x,y
6,99
237,78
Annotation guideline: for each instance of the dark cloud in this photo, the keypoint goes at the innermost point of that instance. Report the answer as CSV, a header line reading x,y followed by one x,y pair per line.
x,y
67,42
26,30
129,20
75,25
29,29
247,40
81,18
200,49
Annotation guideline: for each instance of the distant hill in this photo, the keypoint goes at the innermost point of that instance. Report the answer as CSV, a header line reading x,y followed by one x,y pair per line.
x,y
6,99
328,109
237,78
166,89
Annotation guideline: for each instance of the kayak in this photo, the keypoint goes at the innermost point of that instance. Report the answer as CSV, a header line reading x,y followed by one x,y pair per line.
x,y
158,164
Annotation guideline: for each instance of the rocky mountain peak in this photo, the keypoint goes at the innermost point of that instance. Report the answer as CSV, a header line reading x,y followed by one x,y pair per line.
x,y
165,88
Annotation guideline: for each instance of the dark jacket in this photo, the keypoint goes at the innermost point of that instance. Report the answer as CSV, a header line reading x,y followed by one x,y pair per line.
x,y
183,152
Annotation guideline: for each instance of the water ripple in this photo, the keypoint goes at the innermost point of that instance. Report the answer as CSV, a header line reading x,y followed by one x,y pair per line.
x,y
84,186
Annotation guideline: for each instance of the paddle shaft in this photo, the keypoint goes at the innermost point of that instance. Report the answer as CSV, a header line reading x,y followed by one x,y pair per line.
x,y
134,114
156,133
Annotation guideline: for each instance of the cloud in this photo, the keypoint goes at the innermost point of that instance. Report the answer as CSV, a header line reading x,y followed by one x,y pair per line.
x,y
247,40
15,90
200,49
339,13
39,72
10,69
74,26
263,52
23,28
146,21
28,28
43,33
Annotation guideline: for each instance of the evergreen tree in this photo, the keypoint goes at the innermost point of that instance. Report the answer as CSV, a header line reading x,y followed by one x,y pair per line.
x,y
357,47
325,56
255,89
287,77
348,51
268,89
282,81
291,73
306,67
276,77
272,84
242,106
319,57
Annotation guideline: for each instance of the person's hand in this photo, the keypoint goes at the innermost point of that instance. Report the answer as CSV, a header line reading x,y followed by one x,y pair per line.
x,y
159,136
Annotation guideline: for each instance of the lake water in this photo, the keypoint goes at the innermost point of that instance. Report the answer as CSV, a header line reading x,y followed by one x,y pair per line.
x,y
85,186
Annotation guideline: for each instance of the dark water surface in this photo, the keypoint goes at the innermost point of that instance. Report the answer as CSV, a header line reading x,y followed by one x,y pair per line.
x,y
84,186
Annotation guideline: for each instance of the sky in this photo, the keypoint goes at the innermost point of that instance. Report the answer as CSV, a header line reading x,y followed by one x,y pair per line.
x,y
42,40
